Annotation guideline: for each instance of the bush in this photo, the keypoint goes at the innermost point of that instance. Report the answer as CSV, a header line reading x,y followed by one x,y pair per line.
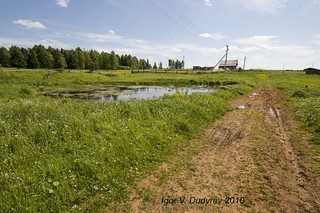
x,y
299,94
123,68
26,91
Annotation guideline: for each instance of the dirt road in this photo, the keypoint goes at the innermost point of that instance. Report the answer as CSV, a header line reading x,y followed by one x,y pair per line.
x,y
244,162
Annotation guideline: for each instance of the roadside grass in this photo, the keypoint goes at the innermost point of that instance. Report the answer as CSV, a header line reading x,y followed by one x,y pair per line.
x,y
64,155
303,95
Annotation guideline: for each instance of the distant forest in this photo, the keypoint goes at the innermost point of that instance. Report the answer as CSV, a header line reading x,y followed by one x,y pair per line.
x,y
52,58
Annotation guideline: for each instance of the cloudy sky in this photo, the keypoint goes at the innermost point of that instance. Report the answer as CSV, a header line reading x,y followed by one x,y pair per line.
x,y
272,34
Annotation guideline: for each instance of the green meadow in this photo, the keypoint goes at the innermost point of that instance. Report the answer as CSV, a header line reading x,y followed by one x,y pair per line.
x,y
71,155
303,100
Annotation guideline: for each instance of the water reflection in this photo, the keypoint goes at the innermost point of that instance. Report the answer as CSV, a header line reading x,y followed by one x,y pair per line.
x,y
124,93
144,93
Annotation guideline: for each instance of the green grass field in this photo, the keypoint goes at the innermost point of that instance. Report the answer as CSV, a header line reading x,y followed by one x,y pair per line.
x,y
66,155
303,95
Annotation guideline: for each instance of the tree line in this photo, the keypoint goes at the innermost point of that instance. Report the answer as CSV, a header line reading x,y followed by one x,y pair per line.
x,y
52,58
40,57
175,64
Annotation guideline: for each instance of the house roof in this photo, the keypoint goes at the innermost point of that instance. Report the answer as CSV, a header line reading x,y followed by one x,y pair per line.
x,y
230,63
311,69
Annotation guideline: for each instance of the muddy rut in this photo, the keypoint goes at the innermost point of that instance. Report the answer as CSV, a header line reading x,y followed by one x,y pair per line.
x,y
244,162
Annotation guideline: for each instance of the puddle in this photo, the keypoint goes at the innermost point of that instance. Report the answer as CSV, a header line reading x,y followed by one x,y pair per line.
x,y
272,112
241,107
125,93
253,94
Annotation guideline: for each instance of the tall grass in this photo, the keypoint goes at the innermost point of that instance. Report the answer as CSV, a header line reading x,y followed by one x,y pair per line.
x,y
303,95
61,155
13,80
303,91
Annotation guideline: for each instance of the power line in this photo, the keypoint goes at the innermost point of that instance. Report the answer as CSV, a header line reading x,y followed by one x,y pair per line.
x,y
182,16
172,19
191,28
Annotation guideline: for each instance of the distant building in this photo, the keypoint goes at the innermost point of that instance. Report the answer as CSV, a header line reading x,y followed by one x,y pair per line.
x,y
230,65
202,68
312,71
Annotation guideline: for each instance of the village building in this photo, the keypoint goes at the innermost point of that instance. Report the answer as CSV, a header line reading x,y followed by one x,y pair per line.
x,y
312,71
230,65
202,68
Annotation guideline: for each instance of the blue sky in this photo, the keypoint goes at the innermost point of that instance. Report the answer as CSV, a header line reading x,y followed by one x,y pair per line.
x,y
272,34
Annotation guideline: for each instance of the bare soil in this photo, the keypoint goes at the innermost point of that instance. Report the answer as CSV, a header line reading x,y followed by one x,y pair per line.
x,y
244,162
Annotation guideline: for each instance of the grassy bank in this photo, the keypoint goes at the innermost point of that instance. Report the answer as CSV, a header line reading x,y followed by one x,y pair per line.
x,y
72,155
303,95
14,82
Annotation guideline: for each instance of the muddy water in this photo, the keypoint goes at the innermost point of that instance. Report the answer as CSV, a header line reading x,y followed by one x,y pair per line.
x,y
125,93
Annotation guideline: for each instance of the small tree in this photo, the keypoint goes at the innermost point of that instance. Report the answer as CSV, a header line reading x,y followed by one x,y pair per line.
x,y
114,63
134,63
59,61
33,60
4,57
17,58
155,66
104,61
45,58
80,58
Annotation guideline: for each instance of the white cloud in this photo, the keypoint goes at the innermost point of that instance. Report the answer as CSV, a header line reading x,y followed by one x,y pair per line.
x,y
261,6
249,49
100,37
49,42
270,52
63,3
175,50
207,50
123,51
30,24
256,40
317,39
214,36
207,3
26,42
7,42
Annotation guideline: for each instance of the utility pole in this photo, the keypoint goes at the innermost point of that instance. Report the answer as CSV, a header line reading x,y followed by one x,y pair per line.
x,y
225,63
244,62
183,63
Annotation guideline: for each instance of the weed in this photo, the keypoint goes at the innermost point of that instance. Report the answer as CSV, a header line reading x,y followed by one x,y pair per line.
x,y
25,91
302,92
147,194
63,155
247,203
70,153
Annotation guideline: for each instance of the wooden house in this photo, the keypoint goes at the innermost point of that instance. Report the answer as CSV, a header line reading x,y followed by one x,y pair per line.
x,y
312,71
230,65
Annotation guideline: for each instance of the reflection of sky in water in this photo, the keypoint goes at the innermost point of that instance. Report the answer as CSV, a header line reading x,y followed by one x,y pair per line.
x,y
144,93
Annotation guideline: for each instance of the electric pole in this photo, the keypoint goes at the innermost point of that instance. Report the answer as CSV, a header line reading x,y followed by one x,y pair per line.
x,y
225,63
183,63
244,62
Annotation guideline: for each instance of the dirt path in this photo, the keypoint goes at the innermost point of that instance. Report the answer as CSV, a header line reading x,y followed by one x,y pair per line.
x,y
245,159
